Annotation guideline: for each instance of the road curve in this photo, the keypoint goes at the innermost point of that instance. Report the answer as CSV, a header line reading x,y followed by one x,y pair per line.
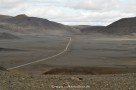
x,y
58,54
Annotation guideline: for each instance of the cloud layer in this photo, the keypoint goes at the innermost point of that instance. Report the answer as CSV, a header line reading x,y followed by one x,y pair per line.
x,y
73,12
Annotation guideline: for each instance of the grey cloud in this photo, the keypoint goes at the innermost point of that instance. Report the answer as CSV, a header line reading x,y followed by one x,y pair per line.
x,y
10,3
72,11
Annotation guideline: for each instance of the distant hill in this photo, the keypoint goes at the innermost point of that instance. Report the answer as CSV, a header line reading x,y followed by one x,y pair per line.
x,y
2,17
92,29
8,36
125,26
80,26
23,23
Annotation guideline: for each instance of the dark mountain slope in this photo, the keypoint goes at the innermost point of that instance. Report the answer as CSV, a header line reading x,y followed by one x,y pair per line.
x,y
123,26
2,17
125,22
23,23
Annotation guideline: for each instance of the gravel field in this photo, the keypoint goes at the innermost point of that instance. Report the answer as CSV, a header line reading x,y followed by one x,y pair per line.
x,y
115,55
15,80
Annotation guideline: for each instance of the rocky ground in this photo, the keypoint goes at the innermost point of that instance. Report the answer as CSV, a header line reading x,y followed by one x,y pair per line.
x,y
14,80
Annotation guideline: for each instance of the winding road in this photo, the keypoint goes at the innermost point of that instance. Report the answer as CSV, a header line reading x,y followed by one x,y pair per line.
x,y
58,54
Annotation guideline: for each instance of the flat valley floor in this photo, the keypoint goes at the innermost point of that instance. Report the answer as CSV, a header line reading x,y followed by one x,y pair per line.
x,y
85,55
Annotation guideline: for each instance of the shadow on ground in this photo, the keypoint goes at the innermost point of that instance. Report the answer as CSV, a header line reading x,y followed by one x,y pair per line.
x,y
89,70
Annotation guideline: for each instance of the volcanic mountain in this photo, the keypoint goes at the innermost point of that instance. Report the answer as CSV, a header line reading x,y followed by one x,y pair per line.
x,y
23,23
125,26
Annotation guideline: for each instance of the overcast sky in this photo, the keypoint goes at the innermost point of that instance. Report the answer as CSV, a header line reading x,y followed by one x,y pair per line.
x,y
72,12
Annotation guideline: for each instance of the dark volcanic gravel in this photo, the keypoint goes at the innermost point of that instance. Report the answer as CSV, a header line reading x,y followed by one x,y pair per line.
x,y
19,81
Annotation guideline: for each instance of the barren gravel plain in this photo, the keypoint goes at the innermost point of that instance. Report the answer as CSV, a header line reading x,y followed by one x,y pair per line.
x,y
83,65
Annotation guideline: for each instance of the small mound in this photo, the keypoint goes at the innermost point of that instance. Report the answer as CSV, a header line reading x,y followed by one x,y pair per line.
x,y
7,36
90,70
2,69
21,16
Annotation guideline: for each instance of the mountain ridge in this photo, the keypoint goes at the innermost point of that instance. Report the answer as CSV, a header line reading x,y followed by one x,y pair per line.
x,y
25,23
124,26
